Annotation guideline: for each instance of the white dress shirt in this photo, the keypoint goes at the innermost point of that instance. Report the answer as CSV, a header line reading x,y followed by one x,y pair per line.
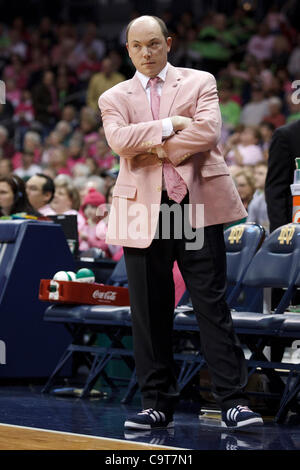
x,y
167,127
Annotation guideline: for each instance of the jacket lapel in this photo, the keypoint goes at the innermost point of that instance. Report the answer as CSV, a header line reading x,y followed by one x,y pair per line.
x,y
169,91
138,100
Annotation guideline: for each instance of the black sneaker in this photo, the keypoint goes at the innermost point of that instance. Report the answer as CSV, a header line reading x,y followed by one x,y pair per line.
x,y
240,417
149,419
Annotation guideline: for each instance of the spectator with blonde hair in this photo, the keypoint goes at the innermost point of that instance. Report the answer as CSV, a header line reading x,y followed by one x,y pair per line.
x,y
66,199
245,185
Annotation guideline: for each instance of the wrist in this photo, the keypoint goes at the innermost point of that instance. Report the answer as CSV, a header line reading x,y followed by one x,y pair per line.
x,y
175,123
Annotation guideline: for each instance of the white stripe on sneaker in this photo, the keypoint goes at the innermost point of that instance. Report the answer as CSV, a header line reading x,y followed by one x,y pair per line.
x,y
157,415
133,425
231,413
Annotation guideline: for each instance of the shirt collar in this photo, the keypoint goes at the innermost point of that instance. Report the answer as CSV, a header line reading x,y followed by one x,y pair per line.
x,y
144,79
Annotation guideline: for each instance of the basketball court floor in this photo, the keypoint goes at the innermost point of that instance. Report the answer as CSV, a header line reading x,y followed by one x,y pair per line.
x,y
31,420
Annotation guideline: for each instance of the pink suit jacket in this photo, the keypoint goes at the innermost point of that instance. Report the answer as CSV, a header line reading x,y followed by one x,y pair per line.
x,y
133,134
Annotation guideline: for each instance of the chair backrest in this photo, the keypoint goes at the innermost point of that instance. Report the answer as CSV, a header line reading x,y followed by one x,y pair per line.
x,y
119,275
241,242
277,262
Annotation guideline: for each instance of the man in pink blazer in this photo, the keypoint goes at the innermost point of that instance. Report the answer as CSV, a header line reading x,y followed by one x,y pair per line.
x,y
165,125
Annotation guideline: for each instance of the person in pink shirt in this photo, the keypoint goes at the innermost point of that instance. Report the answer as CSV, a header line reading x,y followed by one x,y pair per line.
x,y
261,44
243,149
88,235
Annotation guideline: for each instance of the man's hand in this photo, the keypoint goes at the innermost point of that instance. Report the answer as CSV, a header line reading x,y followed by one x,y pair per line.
x,y
180,122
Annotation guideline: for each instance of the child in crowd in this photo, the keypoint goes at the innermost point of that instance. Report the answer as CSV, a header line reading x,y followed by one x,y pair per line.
x,y
88,235
243,148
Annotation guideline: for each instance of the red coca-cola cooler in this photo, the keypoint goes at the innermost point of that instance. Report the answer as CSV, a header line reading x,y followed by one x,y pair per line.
x,y
72,292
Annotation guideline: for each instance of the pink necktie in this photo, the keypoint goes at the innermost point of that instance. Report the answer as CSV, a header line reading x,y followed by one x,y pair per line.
x,y
176,187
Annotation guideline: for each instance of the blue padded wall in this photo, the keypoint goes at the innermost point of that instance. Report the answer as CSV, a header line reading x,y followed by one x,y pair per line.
x,y
29,251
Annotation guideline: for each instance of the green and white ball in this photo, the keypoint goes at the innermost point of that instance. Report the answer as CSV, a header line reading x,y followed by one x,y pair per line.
x,y
64,276
85,275
73,275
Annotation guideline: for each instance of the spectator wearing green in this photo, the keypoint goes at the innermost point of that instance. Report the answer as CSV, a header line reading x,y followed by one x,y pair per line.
x,y
230,109
215,44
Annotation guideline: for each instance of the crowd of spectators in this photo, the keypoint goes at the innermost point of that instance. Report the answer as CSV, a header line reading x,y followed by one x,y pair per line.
x,y
54,74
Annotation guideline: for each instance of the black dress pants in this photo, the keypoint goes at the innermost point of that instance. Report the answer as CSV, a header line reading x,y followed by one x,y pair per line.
x,y
151,290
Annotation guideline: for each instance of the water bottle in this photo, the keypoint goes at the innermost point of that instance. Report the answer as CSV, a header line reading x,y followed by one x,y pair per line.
x,y
295,189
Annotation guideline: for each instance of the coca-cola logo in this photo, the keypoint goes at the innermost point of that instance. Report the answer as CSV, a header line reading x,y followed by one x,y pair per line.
x,y
109,295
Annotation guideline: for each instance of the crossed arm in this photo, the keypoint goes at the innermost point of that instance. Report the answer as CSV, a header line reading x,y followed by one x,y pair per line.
x,y
198,133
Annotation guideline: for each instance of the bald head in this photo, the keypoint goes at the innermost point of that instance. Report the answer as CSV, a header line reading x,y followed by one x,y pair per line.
x,y
146,18
148,44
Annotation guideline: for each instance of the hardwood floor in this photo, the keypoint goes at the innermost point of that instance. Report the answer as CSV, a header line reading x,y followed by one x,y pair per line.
x,y
23,438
